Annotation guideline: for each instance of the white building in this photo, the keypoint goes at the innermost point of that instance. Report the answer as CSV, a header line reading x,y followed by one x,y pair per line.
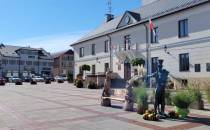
x,y
24,61
182,41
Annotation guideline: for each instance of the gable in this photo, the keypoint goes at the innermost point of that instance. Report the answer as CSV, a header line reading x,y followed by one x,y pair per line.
x,y
128,18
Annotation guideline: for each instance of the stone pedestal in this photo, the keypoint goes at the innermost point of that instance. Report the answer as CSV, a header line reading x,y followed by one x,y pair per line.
x,y
106,102
129,98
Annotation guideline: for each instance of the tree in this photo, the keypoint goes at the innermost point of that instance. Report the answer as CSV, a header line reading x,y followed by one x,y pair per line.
x,y
86,67
138,61
70,77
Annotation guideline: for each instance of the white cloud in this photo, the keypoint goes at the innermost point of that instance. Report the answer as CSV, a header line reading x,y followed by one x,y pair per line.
x,y
51,43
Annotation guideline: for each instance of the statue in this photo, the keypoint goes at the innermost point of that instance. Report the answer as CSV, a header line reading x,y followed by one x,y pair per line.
x,y
107,90
129,97
161,79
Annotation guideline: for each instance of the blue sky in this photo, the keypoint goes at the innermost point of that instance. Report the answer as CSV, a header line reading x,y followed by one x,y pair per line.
x,y
53,24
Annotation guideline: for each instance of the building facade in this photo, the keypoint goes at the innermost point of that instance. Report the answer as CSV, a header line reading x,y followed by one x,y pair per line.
x,y
63,63
182,40
24,61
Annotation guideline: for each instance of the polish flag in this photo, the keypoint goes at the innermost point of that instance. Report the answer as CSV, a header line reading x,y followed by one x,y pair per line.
x,y
151,26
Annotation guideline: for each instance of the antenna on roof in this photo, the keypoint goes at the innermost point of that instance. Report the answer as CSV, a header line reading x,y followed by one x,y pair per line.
x,y
110,6
109,15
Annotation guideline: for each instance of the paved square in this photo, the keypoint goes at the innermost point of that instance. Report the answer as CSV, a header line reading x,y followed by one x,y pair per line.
x,y
64,107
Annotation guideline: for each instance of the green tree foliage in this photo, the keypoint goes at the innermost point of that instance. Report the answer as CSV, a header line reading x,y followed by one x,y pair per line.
x,y
86,67
138,61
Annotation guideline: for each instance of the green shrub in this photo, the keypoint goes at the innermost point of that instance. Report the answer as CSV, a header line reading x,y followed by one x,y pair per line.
x,y
79,84
141,96
70,77
195,92
168,99
182,99
92,85
208,94
137,61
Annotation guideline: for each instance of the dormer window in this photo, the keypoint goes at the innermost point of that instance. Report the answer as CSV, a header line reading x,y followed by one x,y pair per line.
x,y
127,19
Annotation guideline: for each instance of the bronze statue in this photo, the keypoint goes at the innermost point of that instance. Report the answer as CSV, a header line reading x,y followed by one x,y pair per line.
x,y
161,76
106,90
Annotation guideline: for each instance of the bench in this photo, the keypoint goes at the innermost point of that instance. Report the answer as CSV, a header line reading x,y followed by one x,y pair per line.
x,y
117,95
113,98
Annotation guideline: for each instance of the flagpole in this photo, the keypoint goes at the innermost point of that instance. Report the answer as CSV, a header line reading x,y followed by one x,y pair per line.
x,y
149,56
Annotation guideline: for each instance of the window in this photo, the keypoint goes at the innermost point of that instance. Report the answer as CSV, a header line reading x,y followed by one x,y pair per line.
x,y
106,67
183,28
12,62
184,63
35,63
197,67
32,57
208,67
154,38
81,52
127,42
80,70
93,49
93,69
106,46
154,64
28,62
119,67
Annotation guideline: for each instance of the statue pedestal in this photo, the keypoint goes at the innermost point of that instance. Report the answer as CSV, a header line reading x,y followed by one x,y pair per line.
x,y
129,98
128,106
106,102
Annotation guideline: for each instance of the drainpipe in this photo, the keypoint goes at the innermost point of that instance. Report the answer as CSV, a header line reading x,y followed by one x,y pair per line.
x,y
19,67
110,53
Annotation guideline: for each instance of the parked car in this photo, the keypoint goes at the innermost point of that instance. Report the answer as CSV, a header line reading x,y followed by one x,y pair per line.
x,y
64,77
18,82
59,79
47,81
26,79
2,81
33,82
51,78
38,79
14,79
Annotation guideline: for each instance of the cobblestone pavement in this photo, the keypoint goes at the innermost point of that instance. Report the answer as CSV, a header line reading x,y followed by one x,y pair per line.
x,y
64,107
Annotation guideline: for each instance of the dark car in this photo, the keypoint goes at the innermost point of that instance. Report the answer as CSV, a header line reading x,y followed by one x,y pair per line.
x,y
33,82
18,82
26,79
47,81
2,81
51,78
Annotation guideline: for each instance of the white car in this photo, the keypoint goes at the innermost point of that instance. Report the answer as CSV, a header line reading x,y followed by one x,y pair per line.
x,y
59,79
38,79
14,79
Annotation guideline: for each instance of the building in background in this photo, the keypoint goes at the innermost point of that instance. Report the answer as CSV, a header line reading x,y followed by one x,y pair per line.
x,y
63,63
182,40
24,61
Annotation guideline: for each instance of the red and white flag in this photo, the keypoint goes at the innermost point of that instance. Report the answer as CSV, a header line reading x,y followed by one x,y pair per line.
x,y
151,26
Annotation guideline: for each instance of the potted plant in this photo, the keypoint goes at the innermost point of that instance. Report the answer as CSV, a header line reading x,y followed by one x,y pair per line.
x,y
92,85
141,98
79,84
182,101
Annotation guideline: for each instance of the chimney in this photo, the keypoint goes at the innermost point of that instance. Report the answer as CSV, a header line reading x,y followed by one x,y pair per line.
x,y
109,17
146,2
